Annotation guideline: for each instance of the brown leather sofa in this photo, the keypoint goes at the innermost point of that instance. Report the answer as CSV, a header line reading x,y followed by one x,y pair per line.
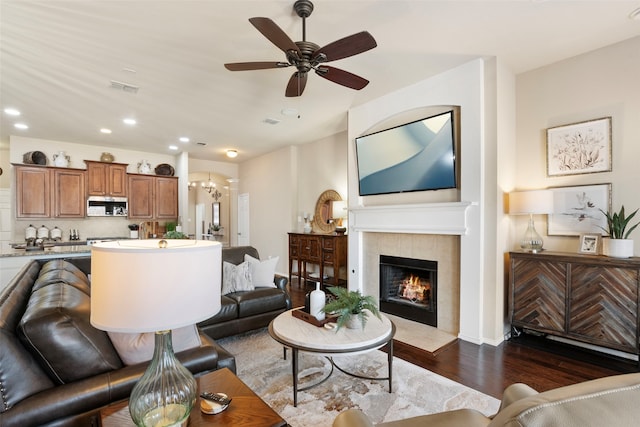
x,y
247,310
55,368
610,401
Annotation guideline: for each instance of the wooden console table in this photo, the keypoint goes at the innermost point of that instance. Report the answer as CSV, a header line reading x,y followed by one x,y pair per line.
x,y
323,250
587,298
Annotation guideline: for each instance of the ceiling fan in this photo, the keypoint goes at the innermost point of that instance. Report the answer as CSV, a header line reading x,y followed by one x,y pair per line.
x,y
306,55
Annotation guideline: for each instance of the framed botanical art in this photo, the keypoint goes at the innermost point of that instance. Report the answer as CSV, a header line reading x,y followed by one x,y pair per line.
x,y
579,148
576,210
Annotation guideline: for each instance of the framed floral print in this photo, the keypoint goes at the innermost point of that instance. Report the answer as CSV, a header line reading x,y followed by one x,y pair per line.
x,y
579,148
590,244
576,210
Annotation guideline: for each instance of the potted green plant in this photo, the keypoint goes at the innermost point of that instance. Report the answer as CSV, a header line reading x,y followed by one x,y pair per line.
x,y
350,307
618,244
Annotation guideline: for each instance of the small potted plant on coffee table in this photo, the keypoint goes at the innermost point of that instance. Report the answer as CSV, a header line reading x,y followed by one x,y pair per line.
x,y
351,307
618,244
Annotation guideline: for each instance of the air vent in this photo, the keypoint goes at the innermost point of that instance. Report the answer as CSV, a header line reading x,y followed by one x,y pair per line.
x,y
202,144
126,87
271,121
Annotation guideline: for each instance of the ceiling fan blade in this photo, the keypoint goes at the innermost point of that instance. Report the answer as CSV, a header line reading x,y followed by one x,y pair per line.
x,y
248,66
348,46
342,77
271,31
296,84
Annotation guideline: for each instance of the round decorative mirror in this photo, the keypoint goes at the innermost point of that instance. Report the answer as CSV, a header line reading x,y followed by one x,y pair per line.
x,y
321,223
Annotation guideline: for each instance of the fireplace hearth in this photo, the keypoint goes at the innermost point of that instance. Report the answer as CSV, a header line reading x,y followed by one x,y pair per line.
x,y
408,288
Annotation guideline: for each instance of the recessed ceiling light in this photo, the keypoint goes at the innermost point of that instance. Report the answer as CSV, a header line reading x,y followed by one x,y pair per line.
x,y
12,111
21,126
232,154
184,139
129,121
635,15
173,147
105,130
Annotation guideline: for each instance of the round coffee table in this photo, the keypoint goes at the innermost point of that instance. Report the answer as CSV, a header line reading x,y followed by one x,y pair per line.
x,y
302,336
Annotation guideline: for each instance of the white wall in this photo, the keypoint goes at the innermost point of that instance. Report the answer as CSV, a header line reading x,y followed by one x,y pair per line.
x,y
601,83
284,184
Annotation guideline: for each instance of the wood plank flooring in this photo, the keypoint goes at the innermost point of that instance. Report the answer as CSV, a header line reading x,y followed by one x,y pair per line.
x,y
531,360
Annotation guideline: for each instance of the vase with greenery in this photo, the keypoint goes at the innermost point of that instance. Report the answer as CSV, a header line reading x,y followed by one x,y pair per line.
x,y
619,245
350,307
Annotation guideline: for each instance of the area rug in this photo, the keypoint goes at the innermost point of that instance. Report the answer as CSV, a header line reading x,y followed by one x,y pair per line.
x,y
416,391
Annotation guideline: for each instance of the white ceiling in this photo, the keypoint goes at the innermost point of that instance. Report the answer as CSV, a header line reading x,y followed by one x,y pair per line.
x,y
58,58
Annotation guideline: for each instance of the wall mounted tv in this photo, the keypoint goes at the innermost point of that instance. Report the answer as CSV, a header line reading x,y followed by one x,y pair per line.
x,y
415,156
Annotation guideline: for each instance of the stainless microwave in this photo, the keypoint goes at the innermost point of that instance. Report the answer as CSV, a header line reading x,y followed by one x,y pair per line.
x,y
107,206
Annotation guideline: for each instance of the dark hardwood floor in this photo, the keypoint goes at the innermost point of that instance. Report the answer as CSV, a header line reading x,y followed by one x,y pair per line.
x,y
535,361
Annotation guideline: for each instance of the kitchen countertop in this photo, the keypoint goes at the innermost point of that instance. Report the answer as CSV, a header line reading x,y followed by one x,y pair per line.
x,y
55,250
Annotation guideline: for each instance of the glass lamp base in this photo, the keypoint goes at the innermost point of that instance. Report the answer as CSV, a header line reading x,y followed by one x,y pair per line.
x,y
166,392
532,241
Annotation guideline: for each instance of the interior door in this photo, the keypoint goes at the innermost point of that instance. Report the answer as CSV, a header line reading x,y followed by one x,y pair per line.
x,y
243,219
200,213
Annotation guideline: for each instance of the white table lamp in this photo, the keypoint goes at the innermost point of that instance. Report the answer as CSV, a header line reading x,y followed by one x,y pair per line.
x,y
155,286
339,212
531,203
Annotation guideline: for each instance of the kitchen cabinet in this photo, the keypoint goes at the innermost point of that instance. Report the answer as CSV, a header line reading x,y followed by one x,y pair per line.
x,y
153,197
587,298
106,179
46,192
327,251
69,199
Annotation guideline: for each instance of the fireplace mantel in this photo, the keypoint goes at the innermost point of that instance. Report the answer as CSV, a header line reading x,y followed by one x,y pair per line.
x,y
423,218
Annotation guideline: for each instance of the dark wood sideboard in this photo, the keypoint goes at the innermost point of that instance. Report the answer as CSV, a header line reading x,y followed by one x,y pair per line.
x,y
587,298
327,251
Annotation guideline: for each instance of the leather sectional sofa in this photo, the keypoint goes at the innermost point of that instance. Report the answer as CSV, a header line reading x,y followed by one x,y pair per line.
x,y
243,311
55,368
609,401
74,370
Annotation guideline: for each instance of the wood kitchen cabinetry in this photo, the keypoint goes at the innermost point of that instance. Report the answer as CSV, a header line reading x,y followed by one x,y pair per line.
x,y
327,251
106,179
152,197
46,192
587,298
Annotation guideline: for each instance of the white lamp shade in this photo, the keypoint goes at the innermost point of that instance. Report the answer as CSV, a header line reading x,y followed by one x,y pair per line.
x,y
339,209
530,202
138,287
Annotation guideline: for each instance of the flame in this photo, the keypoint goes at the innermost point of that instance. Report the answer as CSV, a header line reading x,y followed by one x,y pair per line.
x,y
415,288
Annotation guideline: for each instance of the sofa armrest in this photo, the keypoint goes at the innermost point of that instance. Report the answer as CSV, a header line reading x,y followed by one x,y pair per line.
x,y
280,282
514,393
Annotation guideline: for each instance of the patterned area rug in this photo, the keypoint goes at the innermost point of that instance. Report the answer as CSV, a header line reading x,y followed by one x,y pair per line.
x,y
416,391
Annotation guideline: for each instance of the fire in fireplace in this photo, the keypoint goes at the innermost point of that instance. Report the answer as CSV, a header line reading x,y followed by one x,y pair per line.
x,y
408,288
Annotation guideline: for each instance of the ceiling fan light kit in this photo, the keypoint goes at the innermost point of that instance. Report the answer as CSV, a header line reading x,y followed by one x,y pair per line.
x,y
307,56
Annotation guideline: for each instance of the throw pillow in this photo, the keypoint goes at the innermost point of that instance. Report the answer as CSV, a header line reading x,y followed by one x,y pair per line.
x,y
236,277
137,348
262,272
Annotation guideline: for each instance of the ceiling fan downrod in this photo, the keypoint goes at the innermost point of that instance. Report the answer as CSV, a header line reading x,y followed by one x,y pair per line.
x,y
303,9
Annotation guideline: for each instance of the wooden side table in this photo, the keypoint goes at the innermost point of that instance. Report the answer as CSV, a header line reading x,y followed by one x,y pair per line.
x,y
247,409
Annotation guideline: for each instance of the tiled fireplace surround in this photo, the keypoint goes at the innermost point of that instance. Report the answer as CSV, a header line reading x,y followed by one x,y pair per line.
x,y
429,231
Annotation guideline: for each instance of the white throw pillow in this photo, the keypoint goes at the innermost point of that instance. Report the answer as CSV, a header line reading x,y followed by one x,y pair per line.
x,y
236,277
136,348
262,272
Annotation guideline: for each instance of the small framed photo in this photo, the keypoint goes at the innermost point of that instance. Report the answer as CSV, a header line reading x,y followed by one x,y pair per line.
x,y
590,244
579,148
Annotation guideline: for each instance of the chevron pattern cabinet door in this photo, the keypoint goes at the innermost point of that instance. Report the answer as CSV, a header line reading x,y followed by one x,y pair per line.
x,y
604,306
539,294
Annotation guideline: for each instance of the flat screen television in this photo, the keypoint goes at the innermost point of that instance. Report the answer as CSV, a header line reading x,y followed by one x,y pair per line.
x,y
415,156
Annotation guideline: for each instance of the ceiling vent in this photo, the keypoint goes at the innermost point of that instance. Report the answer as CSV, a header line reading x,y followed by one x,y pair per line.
x,y
126,87
271,121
